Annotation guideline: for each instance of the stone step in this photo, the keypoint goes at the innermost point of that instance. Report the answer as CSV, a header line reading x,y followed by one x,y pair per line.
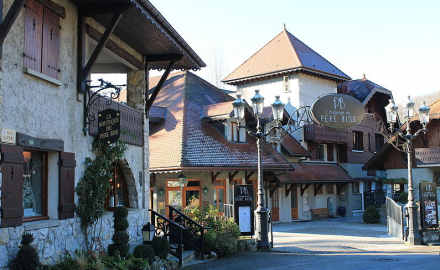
x,y
187,257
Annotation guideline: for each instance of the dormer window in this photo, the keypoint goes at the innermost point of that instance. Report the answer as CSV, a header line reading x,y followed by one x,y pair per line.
x,y
235,133
286,85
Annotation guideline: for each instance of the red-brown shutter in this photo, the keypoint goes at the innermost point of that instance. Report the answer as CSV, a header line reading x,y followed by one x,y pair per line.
x,y
67,163
33,35
51,40
12,186
330,152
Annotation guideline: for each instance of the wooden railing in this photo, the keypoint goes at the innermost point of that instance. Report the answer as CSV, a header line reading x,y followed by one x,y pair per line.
x,y
132,131
172,231
426,157
193,236
324,134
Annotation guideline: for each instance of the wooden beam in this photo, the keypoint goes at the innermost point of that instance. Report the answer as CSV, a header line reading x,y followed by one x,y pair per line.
x,y
232,175
115,48
10,18
110,28
156,91
163,57
247,176
318,187
58,9
214,176
90,10
304,189
288,189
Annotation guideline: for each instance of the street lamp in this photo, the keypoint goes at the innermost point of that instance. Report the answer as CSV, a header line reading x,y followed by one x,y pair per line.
x,y
408,111
261,213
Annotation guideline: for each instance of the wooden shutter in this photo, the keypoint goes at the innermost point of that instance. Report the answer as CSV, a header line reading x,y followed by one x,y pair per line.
x,y
51,43
67,163
33,35
12,186
330,152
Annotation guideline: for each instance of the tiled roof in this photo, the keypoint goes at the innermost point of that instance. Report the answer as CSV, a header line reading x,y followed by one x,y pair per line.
x,y
316,173
186,141
292,147
158,113
362,89
285,53
217,109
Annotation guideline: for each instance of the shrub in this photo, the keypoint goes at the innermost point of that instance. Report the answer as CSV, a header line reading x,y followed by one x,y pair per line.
x,y
27,256
371,215
145,252
161,247
402,198
120,237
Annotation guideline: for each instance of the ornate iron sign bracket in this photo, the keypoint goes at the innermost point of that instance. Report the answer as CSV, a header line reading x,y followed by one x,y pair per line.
x,y
90,96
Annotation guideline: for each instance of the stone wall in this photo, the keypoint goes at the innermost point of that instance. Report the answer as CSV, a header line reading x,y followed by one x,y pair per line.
x,y
54,237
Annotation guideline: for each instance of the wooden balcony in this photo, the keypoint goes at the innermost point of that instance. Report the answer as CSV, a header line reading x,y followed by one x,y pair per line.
x,y
132,131
427,157
323,134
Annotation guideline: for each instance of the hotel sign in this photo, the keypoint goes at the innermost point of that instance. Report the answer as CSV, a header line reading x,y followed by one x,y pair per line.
x,y
428,205
337,111
108,126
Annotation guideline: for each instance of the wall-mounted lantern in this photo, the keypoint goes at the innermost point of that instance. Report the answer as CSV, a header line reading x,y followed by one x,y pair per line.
x,y
148,232
161,192
182,180
205,190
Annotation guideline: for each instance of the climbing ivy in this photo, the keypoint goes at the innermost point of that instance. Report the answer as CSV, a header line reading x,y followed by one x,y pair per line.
x,y
93,188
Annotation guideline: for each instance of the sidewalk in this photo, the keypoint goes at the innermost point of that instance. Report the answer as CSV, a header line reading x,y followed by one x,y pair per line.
x,y
333,243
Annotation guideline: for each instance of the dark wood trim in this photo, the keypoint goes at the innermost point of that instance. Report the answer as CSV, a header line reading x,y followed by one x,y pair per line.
x,y
214,176
288,189
39,143
90,10
10,18
105,37
115,48
152,180
58,9
147,88
303,189
247,175
318,187
156,91
163,57
81,57
232,175
272,190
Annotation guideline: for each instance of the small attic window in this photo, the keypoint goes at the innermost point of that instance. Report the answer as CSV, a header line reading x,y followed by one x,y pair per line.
x,y
286,85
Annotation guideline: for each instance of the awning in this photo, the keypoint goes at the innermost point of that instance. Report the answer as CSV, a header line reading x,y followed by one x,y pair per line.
x,y
316,173
292,147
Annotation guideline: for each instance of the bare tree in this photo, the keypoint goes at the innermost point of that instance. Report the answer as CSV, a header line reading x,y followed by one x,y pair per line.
x,y
216,68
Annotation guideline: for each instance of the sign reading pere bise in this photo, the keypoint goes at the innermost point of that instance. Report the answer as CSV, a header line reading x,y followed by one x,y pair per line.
x,y
108,126
337,111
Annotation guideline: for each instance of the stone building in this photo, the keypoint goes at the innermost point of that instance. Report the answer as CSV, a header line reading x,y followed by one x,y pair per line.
x,y
49,48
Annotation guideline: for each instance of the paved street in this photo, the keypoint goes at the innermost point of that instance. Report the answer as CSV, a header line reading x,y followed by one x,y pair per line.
x,y
335,243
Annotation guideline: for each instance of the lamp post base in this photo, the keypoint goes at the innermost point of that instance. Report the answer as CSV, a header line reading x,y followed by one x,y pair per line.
x,y
261,230
414,237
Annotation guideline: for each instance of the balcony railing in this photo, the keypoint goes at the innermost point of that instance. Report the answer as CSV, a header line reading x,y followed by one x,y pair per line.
x,y
323,134
427,157
132,131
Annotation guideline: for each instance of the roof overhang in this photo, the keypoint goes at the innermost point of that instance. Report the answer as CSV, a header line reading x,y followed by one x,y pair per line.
x,y
223,168
143,28
316,173
304,70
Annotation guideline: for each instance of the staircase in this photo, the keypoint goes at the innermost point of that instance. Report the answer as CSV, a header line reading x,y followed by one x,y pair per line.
x,y
180,231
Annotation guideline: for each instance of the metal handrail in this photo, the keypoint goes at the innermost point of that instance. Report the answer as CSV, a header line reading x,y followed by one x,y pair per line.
x,y
169,229
184,219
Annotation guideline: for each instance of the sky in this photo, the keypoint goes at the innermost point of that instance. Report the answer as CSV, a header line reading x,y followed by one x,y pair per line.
x,y
396,44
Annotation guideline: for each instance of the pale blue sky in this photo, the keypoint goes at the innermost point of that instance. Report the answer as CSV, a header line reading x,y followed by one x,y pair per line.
x,y
395,43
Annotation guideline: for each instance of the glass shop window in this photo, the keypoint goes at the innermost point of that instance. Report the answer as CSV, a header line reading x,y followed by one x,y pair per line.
x,y
34,184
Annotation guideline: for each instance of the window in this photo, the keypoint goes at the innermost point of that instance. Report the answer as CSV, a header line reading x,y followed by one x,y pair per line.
x,y
286,86
437,178
235,133
355,188
118,190
320,190
219,195
330,189
320,152
34,184
378,141
357,141
42,39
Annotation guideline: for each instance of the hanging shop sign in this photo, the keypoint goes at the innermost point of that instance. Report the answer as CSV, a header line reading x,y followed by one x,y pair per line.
x,y
337,111
428,205
243,208
109,128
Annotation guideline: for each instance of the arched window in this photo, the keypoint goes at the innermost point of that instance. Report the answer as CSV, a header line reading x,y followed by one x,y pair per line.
x,y
118,195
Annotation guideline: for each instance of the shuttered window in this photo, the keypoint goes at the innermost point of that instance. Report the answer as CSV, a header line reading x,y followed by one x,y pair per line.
x,y
42,39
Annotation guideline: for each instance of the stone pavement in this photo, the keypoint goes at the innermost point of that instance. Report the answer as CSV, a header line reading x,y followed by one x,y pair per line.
x,y
333,243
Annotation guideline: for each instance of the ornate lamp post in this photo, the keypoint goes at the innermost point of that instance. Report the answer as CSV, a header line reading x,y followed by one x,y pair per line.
x,y
408,111
261,213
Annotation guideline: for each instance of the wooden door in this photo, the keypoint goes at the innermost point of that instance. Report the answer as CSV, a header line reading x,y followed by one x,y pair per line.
x,y
294,203
275,206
